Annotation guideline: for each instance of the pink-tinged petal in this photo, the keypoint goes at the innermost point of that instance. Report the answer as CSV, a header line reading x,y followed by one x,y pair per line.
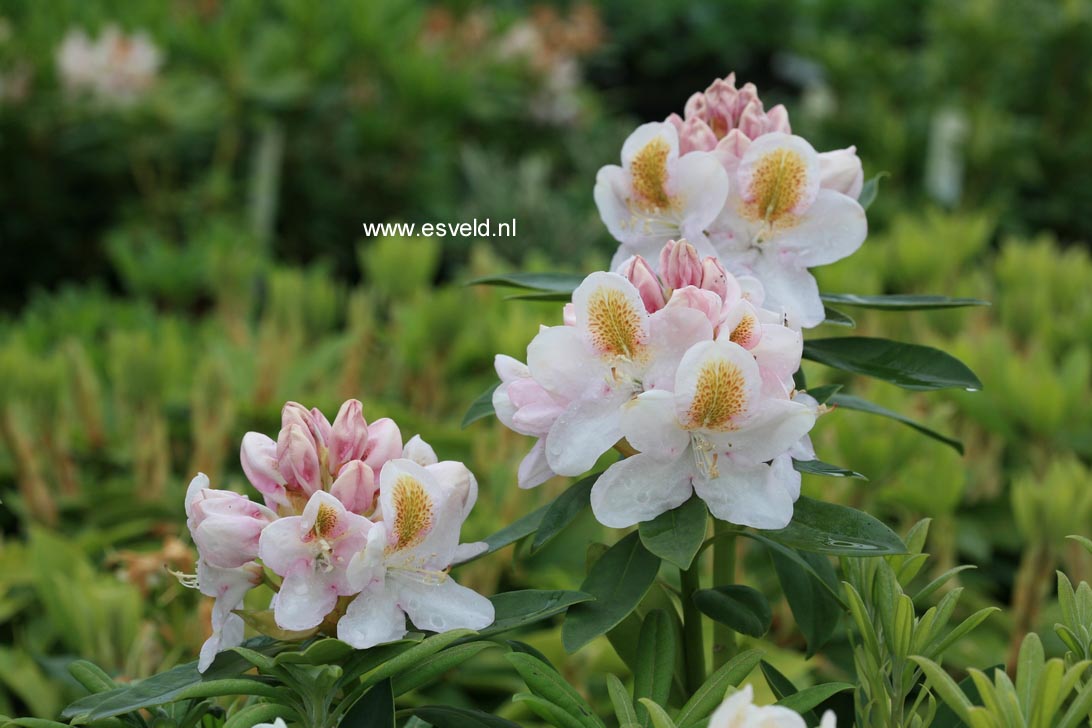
x,y
441,607
760,496
707,303
770,431
534,469
777,120
327,516
680,265
701,185
356,487
419,452
371,619
610,193
672,332
730,151
741,325
568,314
282,549
259,458
422,516
384,443
716,279
294,413
456,477
833,228
304,600
778,354
586,430
841,171
695,136
466,551
229,635
639,488
752,291
298,460
778,178
228,587
509,369
649,425
193,492
791,291
321,427
611,316
349,434
561,361
638,272
717,386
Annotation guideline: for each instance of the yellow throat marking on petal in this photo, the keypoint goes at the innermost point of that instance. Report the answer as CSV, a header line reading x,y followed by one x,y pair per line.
x,y
325,520
777,186
720,396
412,512
649,172
614,324
744,331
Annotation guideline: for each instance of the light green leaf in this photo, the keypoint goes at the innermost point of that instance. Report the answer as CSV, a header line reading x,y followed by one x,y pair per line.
x,y
870,189
946,688
433,667
619,698
711,693
676,536
450,716
900,302
808,699
547,684
660,718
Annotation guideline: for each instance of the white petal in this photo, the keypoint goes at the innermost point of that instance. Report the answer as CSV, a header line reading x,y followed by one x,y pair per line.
x,y
610,193
640,488
468,551
701,185
281,547
229,635
423,516
419,451
611,315
780,168
833,228
193,492
775,427
672,331
444,606
717,384
561,361
791,291
304,600
644,134
778,354
760,496
583,432
534,469
458,478
371,619
650,425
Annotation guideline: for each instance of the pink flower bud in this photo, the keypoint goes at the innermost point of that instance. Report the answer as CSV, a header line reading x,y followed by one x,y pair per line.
x,y
225,526
348,435
356,487
707,302
320,427
294,413
298,459
694,134
714,278
259,458
640,274
841,171
777,120
384,443
680,265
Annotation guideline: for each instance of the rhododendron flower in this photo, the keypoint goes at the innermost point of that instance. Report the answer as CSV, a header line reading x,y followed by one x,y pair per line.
x,y
716,434
310,454
228,587
525,406
739,711
614,351
658,195
779,221
312,553
116,68
723,116
403,570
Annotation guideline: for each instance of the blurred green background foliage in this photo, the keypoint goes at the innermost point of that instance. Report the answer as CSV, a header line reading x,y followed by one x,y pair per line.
x,y
178,265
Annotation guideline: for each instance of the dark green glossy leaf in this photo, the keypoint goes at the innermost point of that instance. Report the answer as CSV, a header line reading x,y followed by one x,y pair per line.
x,y
656,654
520,608
549,296
806,700
514,531
808,580
740,607
911,366
618,581
901,302
676,536
481,407
783,688
835,317
818,467
374,710
847,401
433,667
706,698
547,684
823,393
563,511
553,282
321,652
834,529
449,716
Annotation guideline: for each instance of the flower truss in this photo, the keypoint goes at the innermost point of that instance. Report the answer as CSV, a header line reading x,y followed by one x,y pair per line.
x,y
739,711
686,372
356,533
734,181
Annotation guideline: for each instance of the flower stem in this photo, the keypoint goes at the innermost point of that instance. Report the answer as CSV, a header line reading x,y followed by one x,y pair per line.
x,y
693,639
724,573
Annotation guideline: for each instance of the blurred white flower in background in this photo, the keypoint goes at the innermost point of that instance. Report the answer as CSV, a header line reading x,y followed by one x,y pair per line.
x,y
115,68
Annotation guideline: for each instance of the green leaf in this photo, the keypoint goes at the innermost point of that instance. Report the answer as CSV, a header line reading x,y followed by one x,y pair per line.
x,y
321,652
374,710
808,582
256,713
433,667
619,698
711,693
660,718
481,407
167,687
740,607
563,511
93,677
547,296
415,655
513,532
618,581
911,366
546,710
554,282
835,317
783,689
806,700
940,645
676,536
1082,540
449,716
823,393
547,684
818,467
869,190
834,529
527,606
847,401
945,717
900,302
946,688
815,565
656,654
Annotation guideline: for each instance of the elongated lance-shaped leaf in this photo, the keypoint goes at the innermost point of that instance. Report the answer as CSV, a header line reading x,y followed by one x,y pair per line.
x,y
563,510
711,693
552,282
806,700
783,688
870,189
835,317
374,710
660,718
433,667
910,366
513,532
656,653
849,402
547,684
900,302
620,700
481,407
818,467
450,716
528,606
740,607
